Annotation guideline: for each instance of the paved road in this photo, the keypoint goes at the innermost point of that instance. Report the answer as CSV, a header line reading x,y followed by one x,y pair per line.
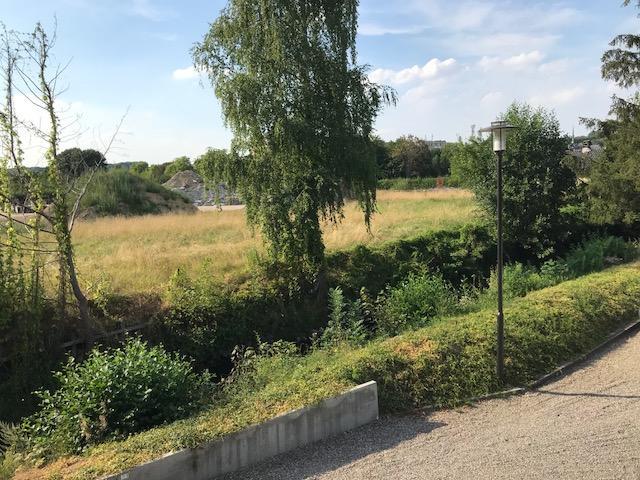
x,y
584,426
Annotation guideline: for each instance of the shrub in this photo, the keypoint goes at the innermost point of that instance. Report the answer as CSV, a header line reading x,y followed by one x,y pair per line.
x,y
423,183
414,303
537,184
594,254
346,321
442,364
112,394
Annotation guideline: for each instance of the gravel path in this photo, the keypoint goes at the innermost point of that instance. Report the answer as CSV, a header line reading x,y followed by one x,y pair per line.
x,y
584,426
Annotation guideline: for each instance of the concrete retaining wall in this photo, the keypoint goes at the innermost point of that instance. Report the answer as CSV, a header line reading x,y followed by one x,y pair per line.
x,y
352,409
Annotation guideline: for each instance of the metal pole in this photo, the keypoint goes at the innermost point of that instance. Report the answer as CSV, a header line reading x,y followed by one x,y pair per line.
x,y
500,317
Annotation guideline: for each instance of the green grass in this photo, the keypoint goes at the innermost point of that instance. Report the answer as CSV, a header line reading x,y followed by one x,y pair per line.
x,y
118,192
442,365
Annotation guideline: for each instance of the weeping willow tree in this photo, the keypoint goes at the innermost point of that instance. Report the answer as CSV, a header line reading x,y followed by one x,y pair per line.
x,y
301,111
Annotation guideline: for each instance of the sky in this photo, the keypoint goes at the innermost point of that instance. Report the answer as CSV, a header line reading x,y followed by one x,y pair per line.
x,y
453,63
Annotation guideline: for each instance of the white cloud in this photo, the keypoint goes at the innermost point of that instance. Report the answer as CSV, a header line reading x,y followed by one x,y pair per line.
x,y
568,95
524,59
146,9
520,61
432,69
491,98
373,29
555,67
187,73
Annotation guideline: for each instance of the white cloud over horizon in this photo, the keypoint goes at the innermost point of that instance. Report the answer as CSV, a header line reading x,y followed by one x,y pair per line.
x,y
187,73
430,70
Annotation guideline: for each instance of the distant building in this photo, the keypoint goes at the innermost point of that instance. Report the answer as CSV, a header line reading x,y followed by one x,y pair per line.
x,y
436,144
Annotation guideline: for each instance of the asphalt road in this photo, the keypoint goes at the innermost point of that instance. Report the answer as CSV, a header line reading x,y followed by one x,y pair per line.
x,y
584,426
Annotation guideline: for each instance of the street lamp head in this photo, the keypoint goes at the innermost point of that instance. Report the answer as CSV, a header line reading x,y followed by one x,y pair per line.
x,y
499,130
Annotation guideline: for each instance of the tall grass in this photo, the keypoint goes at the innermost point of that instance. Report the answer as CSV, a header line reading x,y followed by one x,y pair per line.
x,y
141,253
118,192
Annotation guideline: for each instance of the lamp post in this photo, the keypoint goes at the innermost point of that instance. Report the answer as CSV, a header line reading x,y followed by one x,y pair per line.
x,y
499,130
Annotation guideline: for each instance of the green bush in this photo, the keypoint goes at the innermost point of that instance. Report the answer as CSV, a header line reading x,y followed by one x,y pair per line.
x,y
592,255
112,394
347,321
538,186
595,253
423,183
442,364
208,319
414,303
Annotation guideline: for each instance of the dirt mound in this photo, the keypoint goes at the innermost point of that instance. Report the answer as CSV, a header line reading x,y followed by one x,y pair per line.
x,y
184,180
190,185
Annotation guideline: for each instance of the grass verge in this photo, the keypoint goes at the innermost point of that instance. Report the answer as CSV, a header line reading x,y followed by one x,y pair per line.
x,y
442,365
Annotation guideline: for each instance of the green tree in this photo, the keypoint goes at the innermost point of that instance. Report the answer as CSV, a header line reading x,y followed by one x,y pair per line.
x,y
383,157
139,168
75,162
537,184
301,110
441,160
156,173
180,164
614,186
410,157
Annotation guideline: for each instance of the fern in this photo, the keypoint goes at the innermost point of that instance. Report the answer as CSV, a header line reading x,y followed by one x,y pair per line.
x,y
8,436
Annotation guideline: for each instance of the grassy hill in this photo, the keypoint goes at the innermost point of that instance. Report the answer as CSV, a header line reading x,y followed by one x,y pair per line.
x,y
120,193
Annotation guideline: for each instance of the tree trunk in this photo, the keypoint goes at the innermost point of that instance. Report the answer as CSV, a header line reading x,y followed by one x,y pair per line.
x,y
81,299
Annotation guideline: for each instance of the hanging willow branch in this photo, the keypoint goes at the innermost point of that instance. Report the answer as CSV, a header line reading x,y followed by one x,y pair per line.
x,y
301,110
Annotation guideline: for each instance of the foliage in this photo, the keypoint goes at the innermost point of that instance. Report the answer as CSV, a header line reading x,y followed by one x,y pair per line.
x,y
346,322
75,162
180,164
414,303
442,364
8,436
208,317
592,255
456,254
139,168
118,192
410,158
423,183
307,142
537,183
113,394
596,253
614,187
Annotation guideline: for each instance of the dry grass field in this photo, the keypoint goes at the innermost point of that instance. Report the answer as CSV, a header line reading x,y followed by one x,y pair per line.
x,y
138,254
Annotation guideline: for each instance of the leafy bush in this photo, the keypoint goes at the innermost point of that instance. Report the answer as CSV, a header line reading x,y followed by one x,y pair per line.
x,y
537,183
208,319
414,303
592,255
595,253
346,321
423,183
112,394
442,364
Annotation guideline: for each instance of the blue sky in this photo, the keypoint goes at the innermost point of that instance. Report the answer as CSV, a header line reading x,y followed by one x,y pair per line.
x,y
454,64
